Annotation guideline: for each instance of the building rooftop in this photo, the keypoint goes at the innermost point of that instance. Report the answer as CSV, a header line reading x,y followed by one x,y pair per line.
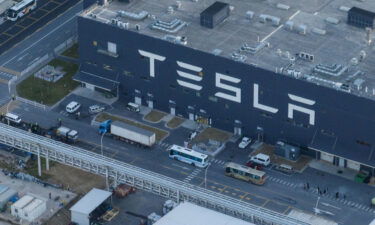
x,y
305,39
189,214
90,201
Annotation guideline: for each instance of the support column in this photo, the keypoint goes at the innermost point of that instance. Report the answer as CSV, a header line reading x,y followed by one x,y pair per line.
x,y
39,164
106,179
47,161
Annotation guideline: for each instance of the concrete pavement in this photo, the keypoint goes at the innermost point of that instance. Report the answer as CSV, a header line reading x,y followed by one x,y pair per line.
x,y
281,193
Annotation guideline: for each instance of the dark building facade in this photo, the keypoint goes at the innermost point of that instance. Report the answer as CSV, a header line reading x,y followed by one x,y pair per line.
x,y
361,18
331,125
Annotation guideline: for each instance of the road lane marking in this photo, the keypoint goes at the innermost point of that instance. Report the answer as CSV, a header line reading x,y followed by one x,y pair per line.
x,y
46,35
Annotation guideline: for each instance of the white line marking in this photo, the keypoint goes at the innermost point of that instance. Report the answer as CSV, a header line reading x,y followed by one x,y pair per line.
x,y
32,45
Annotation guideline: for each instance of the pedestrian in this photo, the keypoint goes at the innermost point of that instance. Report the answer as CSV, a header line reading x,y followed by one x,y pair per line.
x,y
50,195
325,191
318,189
337,195
344,196
60,122
307,186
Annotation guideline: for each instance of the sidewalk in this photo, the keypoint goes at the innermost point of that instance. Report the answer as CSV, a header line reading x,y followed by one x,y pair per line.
x,y
331,169
90,94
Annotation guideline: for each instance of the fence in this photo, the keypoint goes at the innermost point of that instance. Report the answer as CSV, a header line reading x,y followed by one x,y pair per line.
x,y
33,103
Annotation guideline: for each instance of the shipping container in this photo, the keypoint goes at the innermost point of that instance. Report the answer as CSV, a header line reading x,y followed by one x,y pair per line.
x,y
132,133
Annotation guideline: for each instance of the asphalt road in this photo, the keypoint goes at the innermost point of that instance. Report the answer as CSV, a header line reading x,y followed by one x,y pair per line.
x,y
13,32
43,41
281,192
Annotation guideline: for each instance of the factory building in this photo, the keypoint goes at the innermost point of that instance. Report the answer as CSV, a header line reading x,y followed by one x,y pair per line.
x,y
155,55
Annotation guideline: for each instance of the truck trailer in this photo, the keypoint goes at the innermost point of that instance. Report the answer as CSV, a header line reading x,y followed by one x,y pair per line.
x,y
128,133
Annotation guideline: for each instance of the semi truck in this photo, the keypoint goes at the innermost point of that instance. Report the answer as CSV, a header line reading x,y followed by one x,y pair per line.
x,y
128,133
67,134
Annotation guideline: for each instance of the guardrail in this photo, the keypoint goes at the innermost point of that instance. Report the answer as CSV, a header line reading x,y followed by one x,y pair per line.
x,y
140,178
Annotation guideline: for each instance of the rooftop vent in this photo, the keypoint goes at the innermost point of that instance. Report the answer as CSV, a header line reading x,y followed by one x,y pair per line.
x,y
332,20
214,14
264,18
282,6
254,49
318,31
170,10
306,56
169,27
330,70
133,16
249,15
238,57
368,35
182,40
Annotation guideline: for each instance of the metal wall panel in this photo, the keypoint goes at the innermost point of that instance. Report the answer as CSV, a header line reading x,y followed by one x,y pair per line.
x,y
341,119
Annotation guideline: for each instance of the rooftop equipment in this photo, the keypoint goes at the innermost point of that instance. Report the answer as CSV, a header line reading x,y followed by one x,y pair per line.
x,y
361,18
214,14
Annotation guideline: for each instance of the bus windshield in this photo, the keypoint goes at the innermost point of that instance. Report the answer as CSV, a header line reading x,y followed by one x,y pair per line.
x,y
12,13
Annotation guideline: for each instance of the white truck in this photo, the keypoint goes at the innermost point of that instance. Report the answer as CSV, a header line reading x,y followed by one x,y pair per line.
x,y
67,134
128,133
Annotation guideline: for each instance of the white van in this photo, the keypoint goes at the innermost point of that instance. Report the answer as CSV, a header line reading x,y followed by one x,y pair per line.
x,y
133,107
72,107
261,159
13,117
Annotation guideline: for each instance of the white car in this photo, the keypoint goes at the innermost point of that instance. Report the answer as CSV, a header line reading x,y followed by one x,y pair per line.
x,y
72,107
261,159
96,109
244,142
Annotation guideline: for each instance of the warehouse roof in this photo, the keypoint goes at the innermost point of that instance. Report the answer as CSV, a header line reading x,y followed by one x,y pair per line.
x,y
189,214
308,40
133,128
90,201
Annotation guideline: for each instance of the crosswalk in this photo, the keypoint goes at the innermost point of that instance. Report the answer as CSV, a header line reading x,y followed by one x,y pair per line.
x,y
343,201
164,145
5,76
218,161
281,181
64,113
193,174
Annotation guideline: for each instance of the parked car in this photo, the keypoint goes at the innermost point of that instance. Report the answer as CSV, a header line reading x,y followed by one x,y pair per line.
x,y
261,159
72,107
96,109
244,142
254,165
133,107
284,168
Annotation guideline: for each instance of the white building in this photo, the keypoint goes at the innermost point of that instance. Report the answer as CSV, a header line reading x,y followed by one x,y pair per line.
x,y
28,208
189,214
82,210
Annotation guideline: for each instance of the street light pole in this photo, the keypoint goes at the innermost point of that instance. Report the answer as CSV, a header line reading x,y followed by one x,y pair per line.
x,y
101,150
205,176
101,144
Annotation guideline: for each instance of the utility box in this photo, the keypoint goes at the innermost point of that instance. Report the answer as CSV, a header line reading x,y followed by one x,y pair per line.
x,y
214,14
287,151
361,18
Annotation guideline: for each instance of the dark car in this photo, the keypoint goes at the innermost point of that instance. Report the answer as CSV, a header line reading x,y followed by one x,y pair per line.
x,y
254,165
